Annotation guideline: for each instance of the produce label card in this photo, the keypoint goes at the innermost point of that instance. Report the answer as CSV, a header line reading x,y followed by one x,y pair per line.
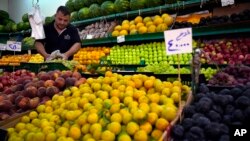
x,y
178,41
89,36
3,46
227,2
120,39
14,46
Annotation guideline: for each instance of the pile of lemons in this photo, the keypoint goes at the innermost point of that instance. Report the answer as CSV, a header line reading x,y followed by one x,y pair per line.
x,y
157,23
114,107
36,58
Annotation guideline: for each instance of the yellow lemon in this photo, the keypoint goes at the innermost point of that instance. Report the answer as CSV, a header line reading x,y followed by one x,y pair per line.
x,y
74,132
161,124
114,127
108,136
115,33
142,30
132,128
141,135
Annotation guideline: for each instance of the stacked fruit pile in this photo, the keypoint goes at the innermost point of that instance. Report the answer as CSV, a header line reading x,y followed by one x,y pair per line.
x,y
150,53
226,51
14,59
208,72
36,58
163,68
214,116
144,25
22,90
113,107
91,55
97,30
231,76
84,9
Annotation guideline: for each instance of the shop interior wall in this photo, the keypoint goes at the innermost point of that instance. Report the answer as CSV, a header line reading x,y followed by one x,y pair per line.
x,y
4,5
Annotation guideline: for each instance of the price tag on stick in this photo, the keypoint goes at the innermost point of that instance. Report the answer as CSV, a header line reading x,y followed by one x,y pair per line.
x,y
14,46
178,41
89,36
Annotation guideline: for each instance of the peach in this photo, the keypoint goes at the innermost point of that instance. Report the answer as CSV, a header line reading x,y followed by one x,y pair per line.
x,y
66,74
76,75
70,81
49,83
41,91
44,99
44,77
51,91
31,91
33,103
80,81
4,116
5,105
24,103
40,83
60,82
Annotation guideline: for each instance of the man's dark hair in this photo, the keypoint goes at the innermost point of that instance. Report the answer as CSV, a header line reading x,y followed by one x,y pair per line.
x,y
64,10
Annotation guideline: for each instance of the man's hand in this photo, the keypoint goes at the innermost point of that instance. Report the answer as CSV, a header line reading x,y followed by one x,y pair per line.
x,y
63,56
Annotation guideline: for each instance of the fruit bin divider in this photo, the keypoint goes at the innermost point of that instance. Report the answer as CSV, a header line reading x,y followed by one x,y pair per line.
x,y
166,134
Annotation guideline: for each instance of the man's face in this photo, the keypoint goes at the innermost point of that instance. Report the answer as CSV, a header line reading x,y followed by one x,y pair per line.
x,y
61,21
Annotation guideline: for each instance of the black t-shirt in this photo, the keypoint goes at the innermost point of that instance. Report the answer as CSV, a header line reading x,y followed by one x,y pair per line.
x,y
63,42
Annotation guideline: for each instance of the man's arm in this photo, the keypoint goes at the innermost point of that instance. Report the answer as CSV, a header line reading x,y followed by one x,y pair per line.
x,y
40,49
72,50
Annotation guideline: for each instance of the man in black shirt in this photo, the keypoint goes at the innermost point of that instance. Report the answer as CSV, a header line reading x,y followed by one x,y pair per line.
x,y
59,35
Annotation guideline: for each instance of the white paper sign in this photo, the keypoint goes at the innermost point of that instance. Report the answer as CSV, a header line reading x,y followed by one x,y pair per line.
x,y
14,46
3,46
227,2
178,41
89,36
120,39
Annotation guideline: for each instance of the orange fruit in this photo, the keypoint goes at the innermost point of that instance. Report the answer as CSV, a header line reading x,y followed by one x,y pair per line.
x,y
142,30
161,124
138,19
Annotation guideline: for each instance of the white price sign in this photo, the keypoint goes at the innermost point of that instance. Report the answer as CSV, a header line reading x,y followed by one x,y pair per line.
x,y
2,46
178,41
227,2
120,39
89,36
14,46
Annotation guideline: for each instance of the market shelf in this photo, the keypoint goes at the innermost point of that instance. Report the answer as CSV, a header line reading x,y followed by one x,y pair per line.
x,y
145,11
222,29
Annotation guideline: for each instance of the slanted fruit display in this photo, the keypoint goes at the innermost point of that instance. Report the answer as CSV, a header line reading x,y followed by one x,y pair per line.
x,y
23,90
150,53
97,30
91,55
226,51
141,25
214,115
163,68
231,76
113,107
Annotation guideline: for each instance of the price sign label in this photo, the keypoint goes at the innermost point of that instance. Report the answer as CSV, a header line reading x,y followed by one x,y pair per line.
x,y
227,2
178,41
14,46
89,36
2,46
120,39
